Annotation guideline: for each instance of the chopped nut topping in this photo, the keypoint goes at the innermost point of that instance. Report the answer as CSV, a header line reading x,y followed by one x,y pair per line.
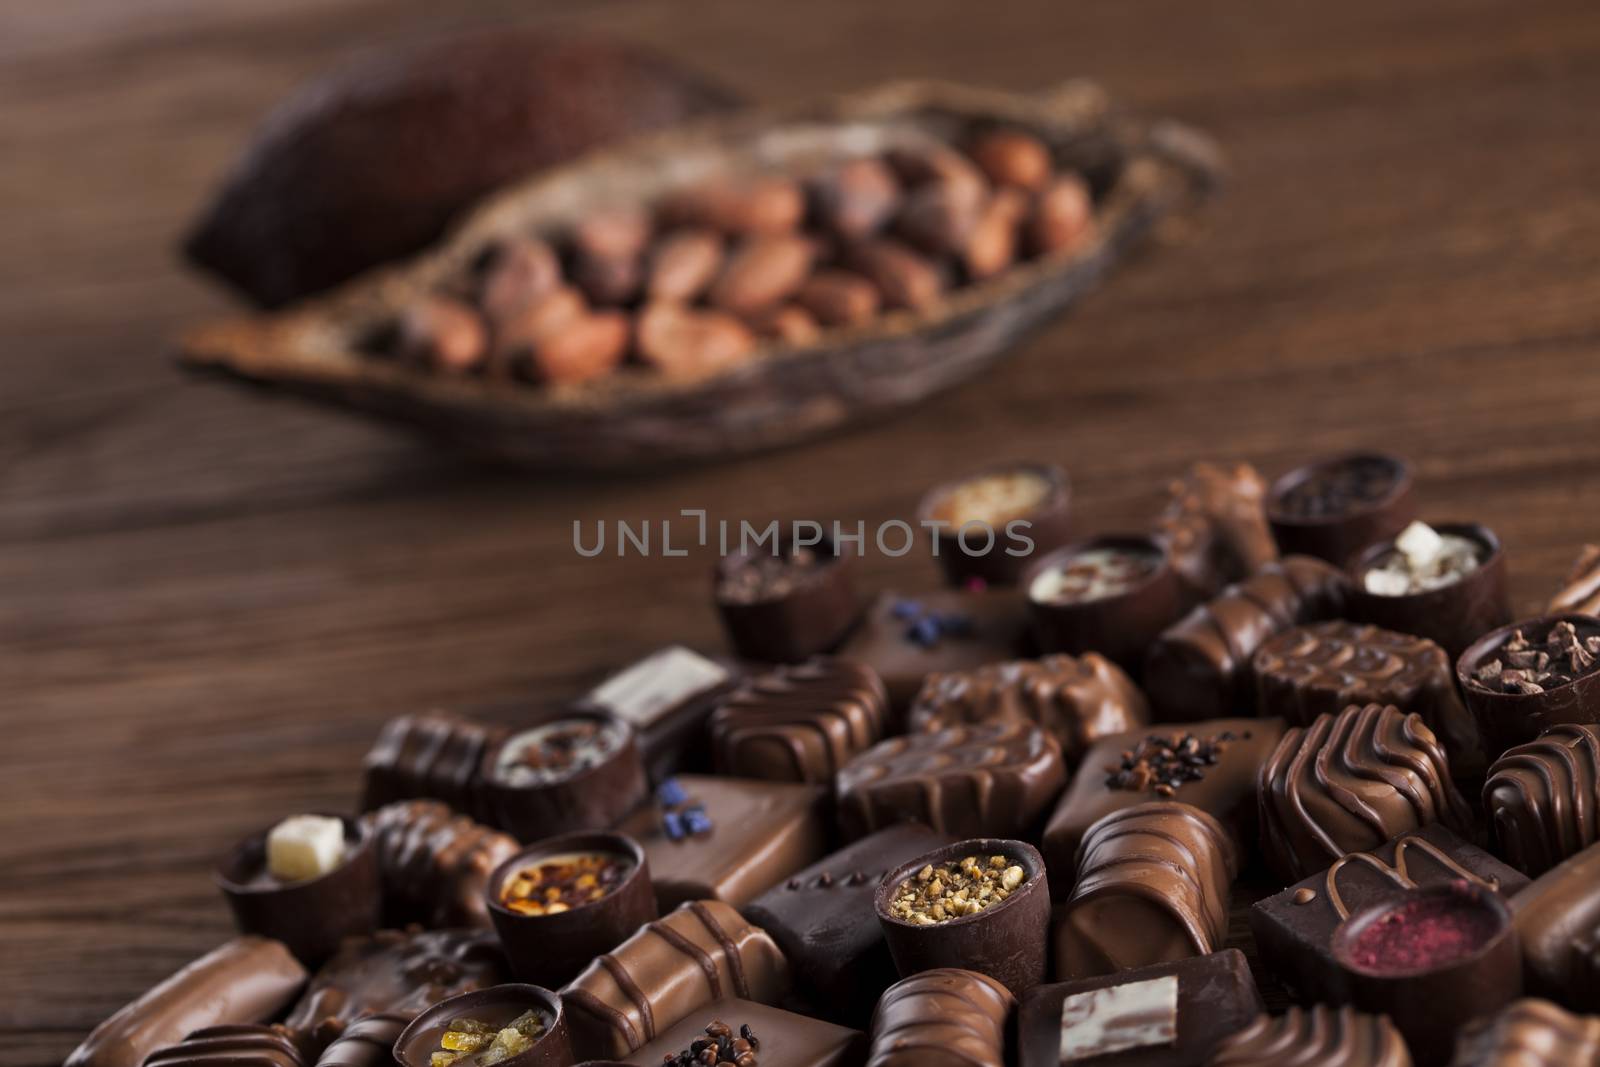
x,y
559,883
1525,668
953,890
1162,763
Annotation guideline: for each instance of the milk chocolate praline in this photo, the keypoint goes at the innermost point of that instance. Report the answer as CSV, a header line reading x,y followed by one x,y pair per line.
x,y
1006,941
1120,626
1337,535
499,1004
984,558
1459,961
551,949
311,916
588,798
1453,615
1509,719
797,623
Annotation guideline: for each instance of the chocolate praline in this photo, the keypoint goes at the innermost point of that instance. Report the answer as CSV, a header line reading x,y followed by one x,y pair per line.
x,y
1378,505
496,1006
367,1042
981,555
1509,719
1453,615
1558,922
665,697
812,614
1431,960
550,949
531,804
1120,626
786,1039
311,916
1007,941
1542,799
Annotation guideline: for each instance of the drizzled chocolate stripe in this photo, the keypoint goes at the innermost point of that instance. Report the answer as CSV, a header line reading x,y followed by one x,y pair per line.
x,y
730,950
820,713
631,990
1398,872
1543,798
1319,1037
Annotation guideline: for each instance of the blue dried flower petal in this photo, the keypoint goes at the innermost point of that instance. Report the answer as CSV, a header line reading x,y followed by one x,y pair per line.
x,y
697,820
670,793
672,823
925,631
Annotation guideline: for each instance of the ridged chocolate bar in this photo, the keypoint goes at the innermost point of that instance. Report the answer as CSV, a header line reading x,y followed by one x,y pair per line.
x,y
800,723
239,1045
1199,668
435,755
1320,1036
1531,1033
1558,922
435,863
942,1018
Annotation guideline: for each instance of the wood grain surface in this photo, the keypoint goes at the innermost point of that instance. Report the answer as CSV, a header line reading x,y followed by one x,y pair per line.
x,y
209,601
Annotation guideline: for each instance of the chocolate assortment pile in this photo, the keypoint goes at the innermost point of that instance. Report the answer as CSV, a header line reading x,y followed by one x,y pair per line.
x,y
997,822
703,279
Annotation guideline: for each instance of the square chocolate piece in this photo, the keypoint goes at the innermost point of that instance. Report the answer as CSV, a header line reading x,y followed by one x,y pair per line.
x,y
786,1039
824,920
1210,765
1294,929
666,698
1169,1015
726,839
905,637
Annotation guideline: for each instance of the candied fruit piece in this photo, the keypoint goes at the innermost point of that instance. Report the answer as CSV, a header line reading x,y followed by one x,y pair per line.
x,y
473,1026
529,1024
443,1059
459,1041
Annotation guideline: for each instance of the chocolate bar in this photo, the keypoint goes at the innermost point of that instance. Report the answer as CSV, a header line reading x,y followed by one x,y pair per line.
x,y
400,971
578,771
942,1018
434,863
774,1038
823,919
1153,886
1349,782
1528,676
435,756
905,638
672,968
367,1042
1454,608
994,779
665,697
1335,507
1169,1015
1328,666
1530,1033
239,1045
1112,595
726,839
1543,798
1580,593
978,515
799,723
1215,527
246,980
1209,765
1199,667
1077,699
788,603
1294,929
1319,1036
509,1025
1558,922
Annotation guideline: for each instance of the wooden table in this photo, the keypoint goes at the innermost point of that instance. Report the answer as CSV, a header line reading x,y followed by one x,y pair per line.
x,y
209,601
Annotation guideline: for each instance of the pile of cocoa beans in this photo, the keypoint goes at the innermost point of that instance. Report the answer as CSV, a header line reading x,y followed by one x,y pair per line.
x,y
696,283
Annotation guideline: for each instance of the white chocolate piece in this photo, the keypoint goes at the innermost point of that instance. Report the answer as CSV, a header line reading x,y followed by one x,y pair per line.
x,y
1387,583
303,847
1118,1018
1420,544
642,692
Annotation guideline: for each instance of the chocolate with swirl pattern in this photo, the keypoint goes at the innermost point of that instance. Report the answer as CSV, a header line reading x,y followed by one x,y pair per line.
x,y
1320,1036
990,780
434,863
435,755
240,1045
1326,667
1215,527
946,1017
1153,887
1078,699
1543,798
1558,923
673,966
1199,668
1349,782
1581,591
1530,1033
800,723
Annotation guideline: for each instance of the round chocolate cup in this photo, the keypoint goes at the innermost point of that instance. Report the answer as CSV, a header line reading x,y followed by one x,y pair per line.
x,y
1506,720
1120,627
310,917
812,618
1454,616
1048,528
1430,1004
1336,538
591,799
420,1040
550,950
1008,942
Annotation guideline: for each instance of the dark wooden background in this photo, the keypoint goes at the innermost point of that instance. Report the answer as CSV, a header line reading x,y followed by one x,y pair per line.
x,y
208,601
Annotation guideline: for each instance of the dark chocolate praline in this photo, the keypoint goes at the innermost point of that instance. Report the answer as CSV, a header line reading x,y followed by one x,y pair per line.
x,y
1454,615
550,950
1337,535
797,623
552,1048
978,556
1506,720
1120,626
585,798
311,916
